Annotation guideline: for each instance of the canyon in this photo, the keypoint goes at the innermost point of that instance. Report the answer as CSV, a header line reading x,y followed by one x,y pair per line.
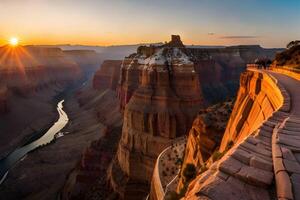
x,y
157,109
128,113
253,158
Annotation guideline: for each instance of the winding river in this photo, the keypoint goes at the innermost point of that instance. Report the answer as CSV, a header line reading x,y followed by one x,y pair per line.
x,y
21,152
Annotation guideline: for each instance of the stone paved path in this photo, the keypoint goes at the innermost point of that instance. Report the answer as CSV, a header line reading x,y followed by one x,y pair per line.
x,y
286,144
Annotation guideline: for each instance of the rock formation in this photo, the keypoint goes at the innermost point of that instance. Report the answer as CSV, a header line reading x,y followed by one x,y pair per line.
x,y
218,69
206,133
162,108
247,166
108,75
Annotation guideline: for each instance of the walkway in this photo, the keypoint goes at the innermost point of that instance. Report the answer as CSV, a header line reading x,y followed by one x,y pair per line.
x,y
286,144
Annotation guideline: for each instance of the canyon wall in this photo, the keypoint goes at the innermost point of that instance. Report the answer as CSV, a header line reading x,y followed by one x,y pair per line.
x,y
108,75
162,108
243,162
218,70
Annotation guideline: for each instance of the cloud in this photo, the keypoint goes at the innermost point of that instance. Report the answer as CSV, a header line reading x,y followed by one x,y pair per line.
x,y
239,37
211,33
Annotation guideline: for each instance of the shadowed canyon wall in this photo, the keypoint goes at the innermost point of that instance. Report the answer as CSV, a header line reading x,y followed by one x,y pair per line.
x,y
108,75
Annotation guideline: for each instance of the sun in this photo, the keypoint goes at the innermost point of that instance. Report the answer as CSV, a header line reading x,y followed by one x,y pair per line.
x,y
14,41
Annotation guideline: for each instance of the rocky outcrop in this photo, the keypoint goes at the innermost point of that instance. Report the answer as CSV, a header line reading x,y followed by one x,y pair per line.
x,y
244,171
108,75
206,133
162,108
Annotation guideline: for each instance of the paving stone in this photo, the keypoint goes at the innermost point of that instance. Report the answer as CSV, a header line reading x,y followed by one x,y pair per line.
x,y
254,148
286,132
242,156
289,128
267,158
292,124
295,178
261,163
230,166
291,166
262,138
287,154
278,165
283,185
297,156
296,189
263,146
265,133
292,148
270,124
290,137
222,175
255,176
266,128
289,142
252,140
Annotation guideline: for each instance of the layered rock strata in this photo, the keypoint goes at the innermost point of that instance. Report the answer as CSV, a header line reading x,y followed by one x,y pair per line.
x,y
218,69
108,75
257,99
161,108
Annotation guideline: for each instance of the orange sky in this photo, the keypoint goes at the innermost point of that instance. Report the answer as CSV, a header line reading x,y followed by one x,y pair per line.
x,y
102,22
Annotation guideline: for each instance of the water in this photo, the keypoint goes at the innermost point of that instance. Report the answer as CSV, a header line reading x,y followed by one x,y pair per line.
x,y
19,153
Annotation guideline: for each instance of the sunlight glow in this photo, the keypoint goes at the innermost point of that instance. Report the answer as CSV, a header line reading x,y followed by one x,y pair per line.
x,y
14,41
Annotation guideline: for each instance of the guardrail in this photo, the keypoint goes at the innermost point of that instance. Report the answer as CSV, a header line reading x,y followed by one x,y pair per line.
x,y
158,185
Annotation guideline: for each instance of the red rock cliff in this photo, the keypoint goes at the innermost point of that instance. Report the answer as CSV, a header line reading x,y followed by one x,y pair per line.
x,y
162,108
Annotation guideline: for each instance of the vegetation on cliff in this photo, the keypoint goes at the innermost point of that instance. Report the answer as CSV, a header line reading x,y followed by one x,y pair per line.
x,y
290,57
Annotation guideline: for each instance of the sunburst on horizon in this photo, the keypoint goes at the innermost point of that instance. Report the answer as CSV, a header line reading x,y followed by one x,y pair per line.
x,y
14,41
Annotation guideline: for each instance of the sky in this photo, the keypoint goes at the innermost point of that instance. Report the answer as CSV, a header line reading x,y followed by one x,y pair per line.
x,y
270,23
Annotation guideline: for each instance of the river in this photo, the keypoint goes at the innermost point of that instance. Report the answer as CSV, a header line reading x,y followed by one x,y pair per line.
x,y
48,137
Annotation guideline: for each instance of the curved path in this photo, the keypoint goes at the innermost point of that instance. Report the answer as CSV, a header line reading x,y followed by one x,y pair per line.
x,y
248,169
286,143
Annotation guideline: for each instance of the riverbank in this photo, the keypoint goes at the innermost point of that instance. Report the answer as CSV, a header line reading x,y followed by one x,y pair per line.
x,y
21,125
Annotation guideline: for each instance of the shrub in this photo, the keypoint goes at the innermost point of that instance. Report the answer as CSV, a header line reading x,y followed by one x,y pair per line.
x,y
217,156
189,172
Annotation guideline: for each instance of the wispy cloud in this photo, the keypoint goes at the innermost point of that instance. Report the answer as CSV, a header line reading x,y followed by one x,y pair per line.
x,y
239,37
